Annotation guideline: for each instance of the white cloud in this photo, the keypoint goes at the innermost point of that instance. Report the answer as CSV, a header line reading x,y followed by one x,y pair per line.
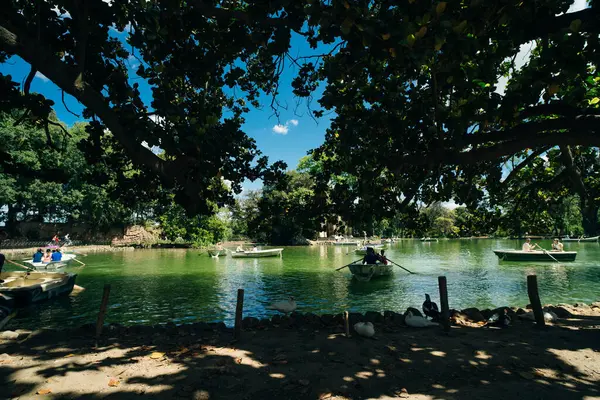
x,y
281,129
284,129
41,76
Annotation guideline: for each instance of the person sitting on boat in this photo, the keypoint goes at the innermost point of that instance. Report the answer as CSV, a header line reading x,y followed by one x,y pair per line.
x,y
48,256
56,255
370,257
527,246
255,248
557,246
38,256
383,258
239,249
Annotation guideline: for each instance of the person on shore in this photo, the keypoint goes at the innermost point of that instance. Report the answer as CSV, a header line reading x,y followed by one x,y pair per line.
x,y
48,256
55,240
255,248
38,256
383,258
557,245
370,257
527,246
56,255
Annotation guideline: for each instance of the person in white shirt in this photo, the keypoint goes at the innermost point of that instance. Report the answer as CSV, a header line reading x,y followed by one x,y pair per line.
x,y
527,246
557,246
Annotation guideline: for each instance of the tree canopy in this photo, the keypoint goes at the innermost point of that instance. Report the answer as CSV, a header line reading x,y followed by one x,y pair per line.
x,y
412,84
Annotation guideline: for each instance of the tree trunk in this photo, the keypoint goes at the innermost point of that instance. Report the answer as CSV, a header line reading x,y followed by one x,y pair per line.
x,y
11,221
589,216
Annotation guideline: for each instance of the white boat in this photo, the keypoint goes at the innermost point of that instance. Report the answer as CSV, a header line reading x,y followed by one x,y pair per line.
x,y
591,239
363,250
65,259
428,239
347,243
365,272
257,253
31,287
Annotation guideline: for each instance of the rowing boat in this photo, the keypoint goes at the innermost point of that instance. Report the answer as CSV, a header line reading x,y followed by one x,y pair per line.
x,y
363,250
365,272
592,239
32,287
537,255
65,259
347,243
257,253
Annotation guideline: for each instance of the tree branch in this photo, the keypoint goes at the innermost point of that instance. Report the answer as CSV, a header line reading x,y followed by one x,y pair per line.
x,y
28,80
523,164
573,171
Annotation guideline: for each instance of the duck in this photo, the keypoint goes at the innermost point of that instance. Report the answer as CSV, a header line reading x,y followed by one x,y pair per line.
x,y
416,321
365,329
284,306
430,309
499,319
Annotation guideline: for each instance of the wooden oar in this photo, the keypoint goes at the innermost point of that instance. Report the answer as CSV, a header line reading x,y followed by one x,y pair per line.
x,y
398,265
82,264
348,264
547,253
19,265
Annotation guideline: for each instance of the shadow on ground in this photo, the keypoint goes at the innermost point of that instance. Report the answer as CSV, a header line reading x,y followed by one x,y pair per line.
x,y
308,362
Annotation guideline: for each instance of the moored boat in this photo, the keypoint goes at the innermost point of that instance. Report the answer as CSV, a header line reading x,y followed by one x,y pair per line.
x,y
538,255
363,250
66,258
428,239
591,239
257,253
347,243
32,287
365,272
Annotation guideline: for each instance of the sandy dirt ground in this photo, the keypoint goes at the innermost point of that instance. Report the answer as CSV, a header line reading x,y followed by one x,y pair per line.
x,y
308,361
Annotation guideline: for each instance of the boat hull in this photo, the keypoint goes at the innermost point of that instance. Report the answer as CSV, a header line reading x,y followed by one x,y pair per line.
x,y
346,243
257,254
366,272
429,240
27,288
545,256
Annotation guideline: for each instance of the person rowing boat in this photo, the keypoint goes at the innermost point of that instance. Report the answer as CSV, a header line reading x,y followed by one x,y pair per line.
x,y
370,257
527,246
557,245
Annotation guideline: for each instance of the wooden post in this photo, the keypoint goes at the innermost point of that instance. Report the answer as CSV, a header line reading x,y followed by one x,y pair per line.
x,y
445,316
347,323
534,299
102,313
237,330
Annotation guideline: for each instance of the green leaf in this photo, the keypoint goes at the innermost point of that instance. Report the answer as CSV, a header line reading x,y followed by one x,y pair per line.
x,y
575,25
594,101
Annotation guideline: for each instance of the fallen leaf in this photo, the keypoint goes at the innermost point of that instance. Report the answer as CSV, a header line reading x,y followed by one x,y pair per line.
x,y
402,393
441,7
44,391
113,382
70,355
324,396
238,360
156,355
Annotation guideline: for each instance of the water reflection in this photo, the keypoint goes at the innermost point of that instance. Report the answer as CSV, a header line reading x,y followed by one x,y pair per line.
x,y
177,285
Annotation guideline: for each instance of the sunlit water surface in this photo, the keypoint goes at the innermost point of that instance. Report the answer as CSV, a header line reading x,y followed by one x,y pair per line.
x,y
157,286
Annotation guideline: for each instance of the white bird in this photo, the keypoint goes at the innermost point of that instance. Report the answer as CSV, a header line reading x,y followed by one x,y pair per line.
x,y
365,329
549,316
284,306
416,321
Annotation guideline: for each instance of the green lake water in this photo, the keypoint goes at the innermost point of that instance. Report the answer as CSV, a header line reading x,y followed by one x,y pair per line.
x,y
158,286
